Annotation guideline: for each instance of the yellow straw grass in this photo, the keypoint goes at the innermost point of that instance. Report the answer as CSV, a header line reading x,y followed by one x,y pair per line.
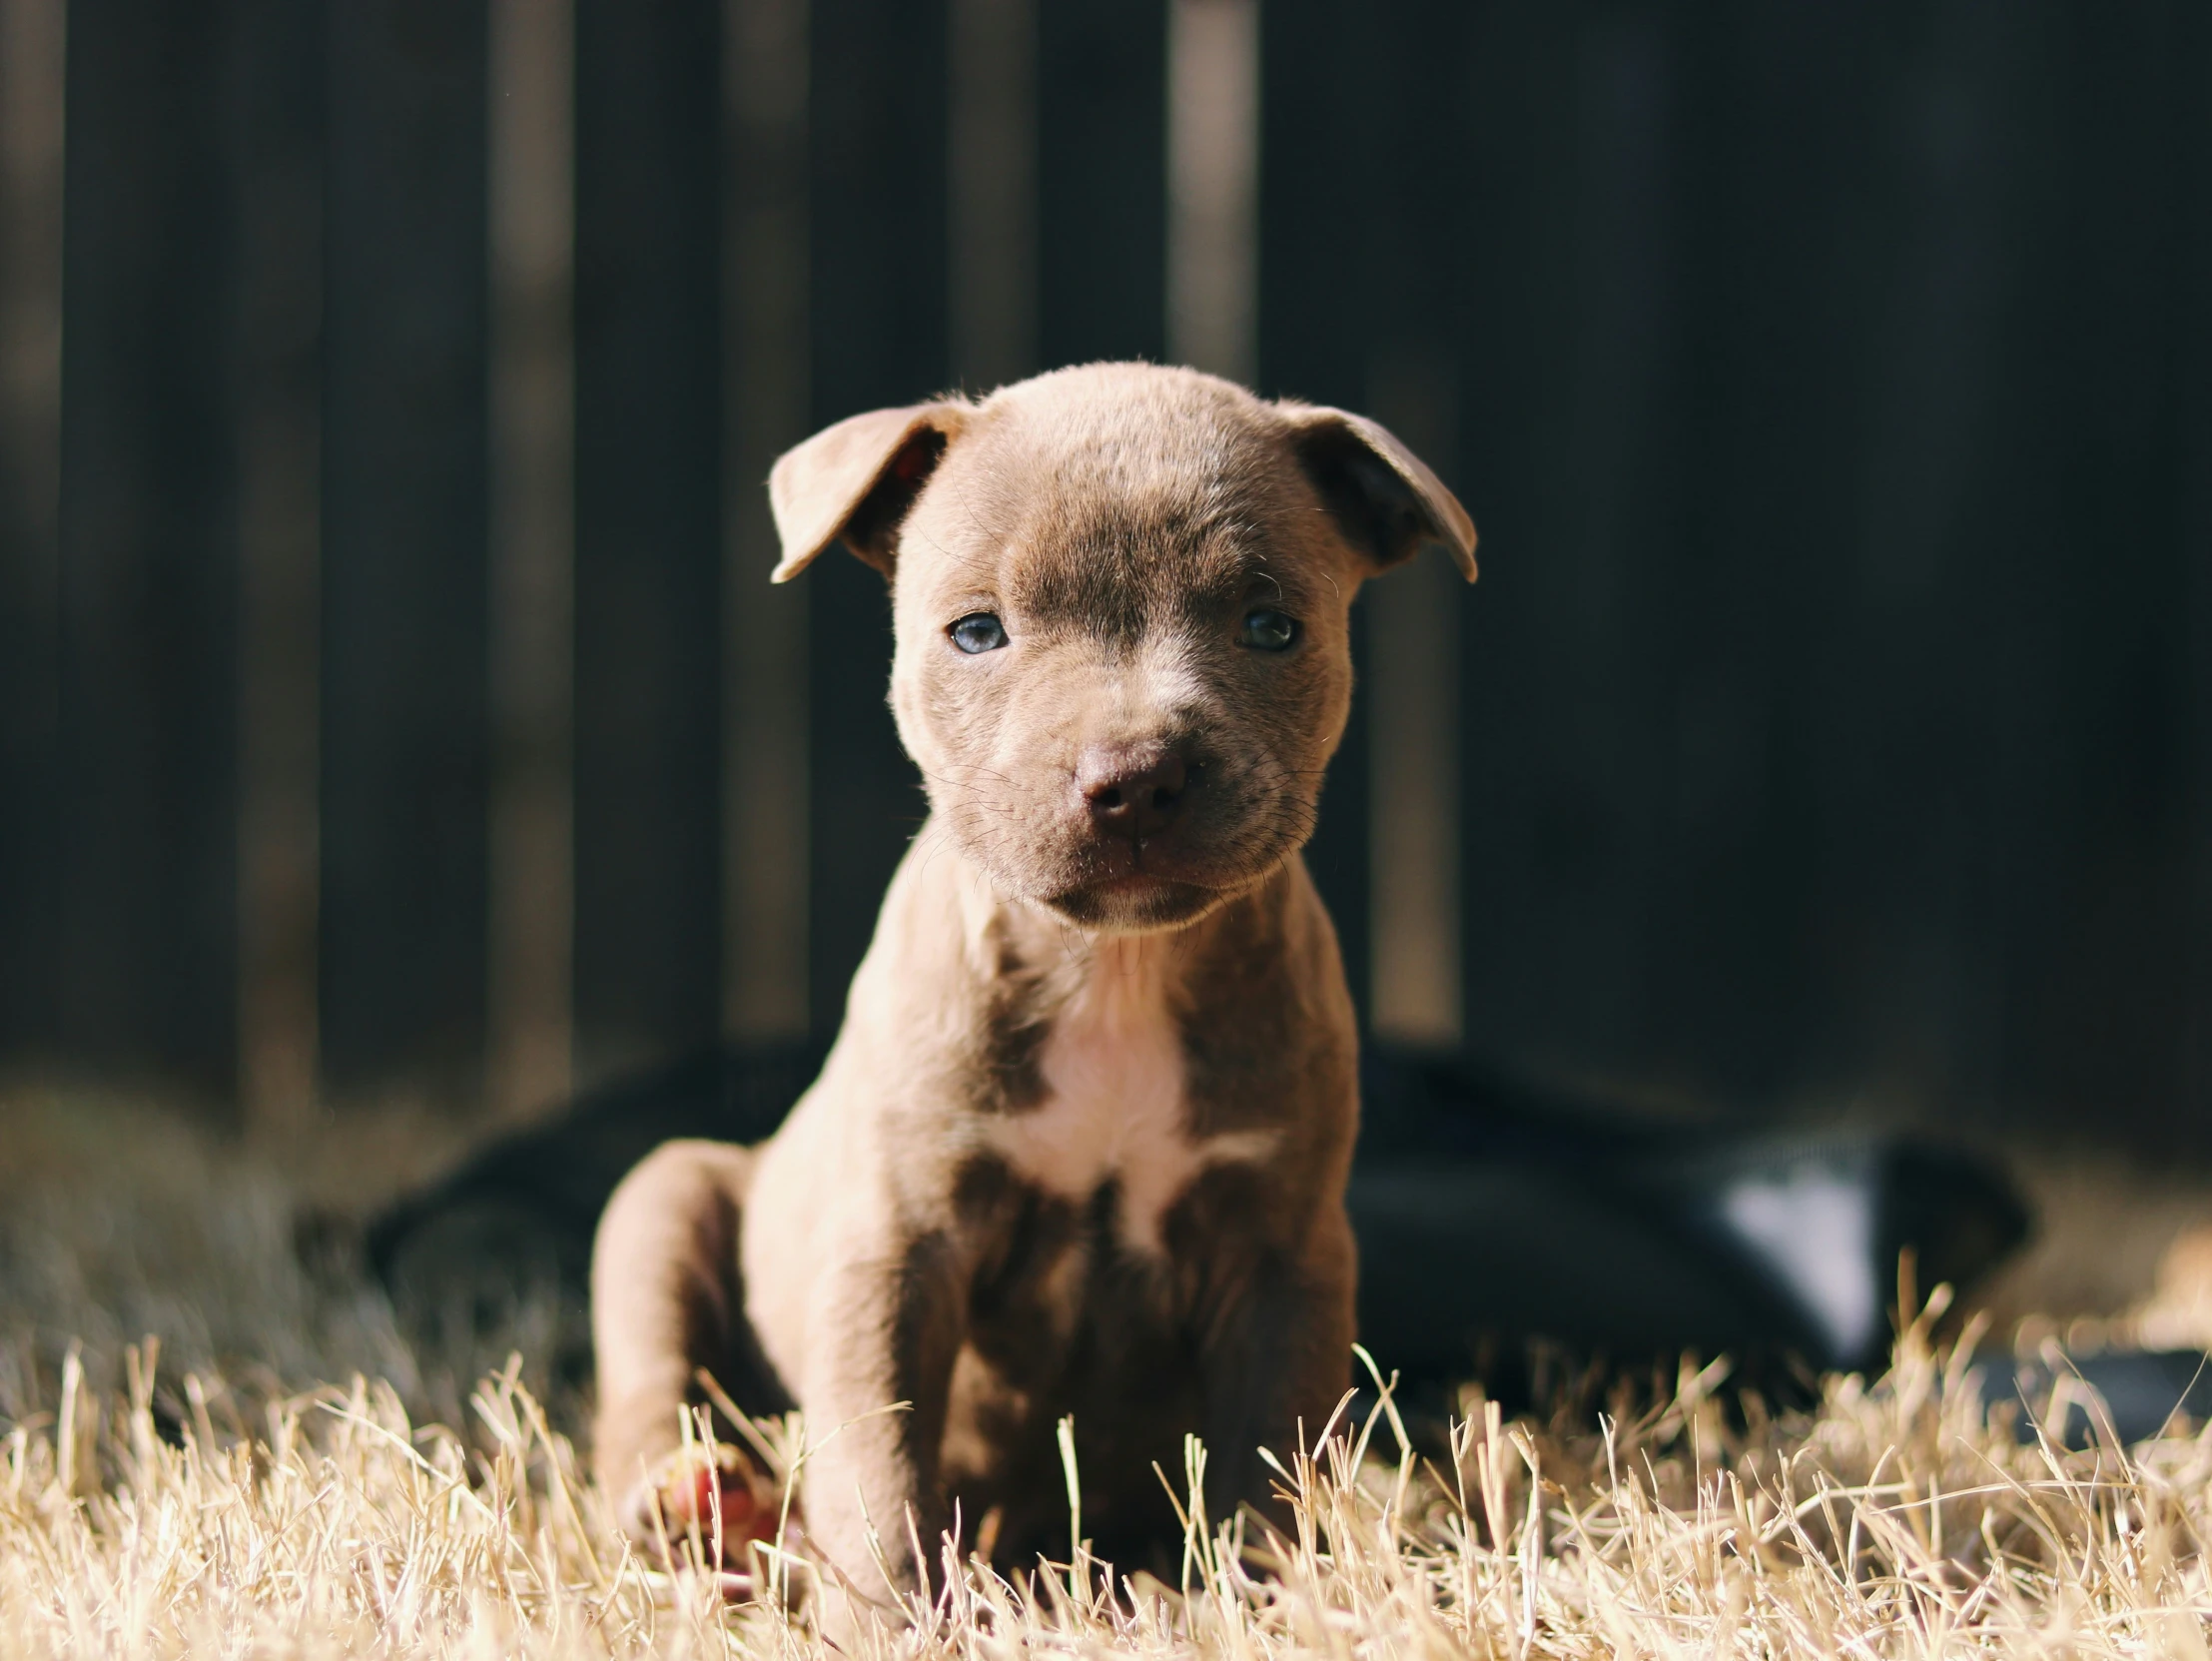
x,y
225,1504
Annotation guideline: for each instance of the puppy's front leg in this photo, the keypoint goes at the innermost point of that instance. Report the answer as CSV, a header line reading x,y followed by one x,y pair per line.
x,y
1276,1364
667,1301
886,1329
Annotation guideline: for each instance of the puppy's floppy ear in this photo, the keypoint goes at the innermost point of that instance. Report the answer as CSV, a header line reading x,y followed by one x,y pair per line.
x,y
1382,494
855,482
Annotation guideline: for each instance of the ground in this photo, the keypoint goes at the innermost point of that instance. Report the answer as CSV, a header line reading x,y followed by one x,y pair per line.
x,y
286,1471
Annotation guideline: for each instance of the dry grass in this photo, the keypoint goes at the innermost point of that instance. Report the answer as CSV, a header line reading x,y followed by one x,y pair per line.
x,y
224,1502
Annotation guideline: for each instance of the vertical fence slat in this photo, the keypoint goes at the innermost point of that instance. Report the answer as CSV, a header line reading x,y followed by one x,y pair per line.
x,y
1411,702
1869,669
146,971
276,150
404,592
1316,126
1102,137
879,337
1724,164
1525,829
1363,240
531,233
993,194
2096,955
1414,383
648,529
2195,729
32,47
767,365
1213,146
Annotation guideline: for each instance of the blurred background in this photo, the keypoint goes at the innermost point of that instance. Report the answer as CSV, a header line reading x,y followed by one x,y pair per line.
x,y
392,703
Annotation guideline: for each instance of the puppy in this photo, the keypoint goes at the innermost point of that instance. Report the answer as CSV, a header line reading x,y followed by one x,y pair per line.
x,y
1082,1144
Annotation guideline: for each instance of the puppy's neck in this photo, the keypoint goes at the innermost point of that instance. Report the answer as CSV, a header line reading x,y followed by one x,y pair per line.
x,y
1106,970
974,965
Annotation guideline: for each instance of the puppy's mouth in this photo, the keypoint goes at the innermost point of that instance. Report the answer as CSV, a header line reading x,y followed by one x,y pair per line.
x,y
1136,886
1136,902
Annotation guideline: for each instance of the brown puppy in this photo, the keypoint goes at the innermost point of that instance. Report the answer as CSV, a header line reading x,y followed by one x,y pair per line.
x,y
1082,1144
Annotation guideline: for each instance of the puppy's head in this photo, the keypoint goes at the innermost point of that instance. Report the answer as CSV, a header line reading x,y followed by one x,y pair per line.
x,y
1121,597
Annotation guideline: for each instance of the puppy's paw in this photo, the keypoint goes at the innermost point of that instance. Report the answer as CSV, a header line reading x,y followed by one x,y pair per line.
x,y
724,1503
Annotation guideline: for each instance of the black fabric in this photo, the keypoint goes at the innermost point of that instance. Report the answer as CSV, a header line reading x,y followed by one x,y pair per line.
x,y
1491,1213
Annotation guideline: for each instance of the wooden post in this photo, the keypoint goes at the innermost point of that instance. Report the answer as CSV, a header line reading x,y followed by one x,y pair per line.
x,y
1101,149
878,325
277,162
992,185
1313,328
31,118
648,529
533,225
144,851
1412,720
407,584
1213,117
766,367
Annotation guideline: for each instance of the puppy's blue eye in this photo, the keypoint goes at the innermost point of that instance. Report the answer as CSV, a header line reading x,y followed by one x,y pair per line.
x,y
1269,630
979,631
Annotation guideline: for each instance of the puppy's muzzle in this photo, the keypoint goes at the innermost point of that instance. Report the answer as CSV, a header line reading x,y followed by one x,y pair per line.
x,y
1134,795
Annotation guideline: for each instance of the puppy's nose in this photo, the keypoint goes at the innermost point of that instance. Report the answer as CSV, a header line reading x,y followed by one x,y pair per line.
x,y
1133,793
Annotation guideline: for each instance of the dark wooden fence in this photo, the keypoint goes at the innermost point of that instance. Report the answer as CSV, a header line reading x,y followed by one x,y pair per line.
x,y
1832,387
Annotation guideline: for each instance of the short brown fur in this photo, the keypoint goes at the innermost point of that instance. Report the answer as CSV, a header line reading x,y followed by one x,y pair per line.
x,y
1081,1146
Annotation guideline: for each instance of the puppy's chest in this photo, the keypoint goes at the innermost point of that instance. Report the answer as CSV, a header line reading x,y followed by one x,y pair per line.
x,y
1115,1110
